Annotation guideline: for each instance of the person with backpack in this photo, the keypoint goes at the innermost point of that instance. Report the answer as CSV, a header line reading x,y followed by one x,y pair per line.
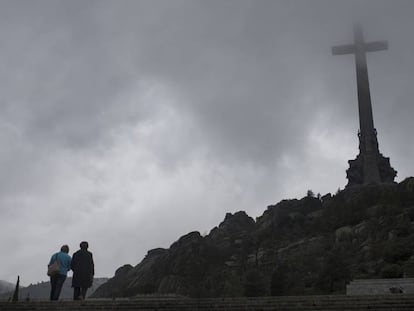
x,y
58,268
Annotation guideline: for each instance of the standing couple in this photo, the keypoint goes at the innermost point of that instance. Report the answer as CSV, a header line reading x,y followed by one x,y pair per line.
x,y
83,271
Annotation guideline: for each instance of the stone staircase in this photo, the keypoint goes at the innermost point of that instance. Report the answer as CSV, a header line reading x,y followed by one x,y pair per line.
x,y
396,302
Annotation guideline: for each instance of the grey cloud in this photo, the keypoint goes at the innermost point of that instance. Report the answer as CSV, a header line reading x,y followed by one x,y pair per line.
x,y
121,115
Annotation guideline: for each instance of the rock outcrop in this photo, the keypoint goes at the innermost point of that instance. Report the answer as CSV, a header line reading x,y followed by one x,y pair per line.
x,y
314,245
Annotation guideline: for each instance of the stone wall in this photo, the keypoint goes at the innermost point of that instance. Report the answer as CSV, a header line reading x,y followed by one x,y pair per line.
x,y
380,286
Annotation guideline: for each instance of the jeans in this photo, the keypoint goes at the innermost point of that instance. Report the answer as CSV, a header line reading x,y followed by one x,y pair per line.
x,y
57,282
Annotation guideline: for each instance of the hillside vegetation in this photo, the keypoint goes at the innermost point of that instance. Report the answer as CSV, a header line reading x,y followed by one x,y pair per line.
x,y
314,245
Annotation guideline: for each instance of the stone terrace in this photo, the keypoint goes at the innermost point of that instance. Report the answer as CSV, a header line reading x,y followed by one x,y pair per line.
x,y
394,302
380,286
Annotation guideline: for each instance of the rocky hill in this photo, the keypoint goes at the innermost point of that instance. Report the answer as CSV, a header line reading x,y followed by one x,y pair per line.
x,y
314,245
5,286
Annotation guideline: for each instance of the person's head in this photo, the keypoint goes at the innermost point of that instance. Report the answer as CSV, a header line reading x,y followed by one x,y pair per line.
x,y
84,245
64,249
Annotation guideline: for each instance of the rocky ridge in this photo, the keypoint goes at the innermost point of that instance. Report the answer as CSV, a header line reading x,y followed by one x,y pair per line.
x,y
5,286
314,245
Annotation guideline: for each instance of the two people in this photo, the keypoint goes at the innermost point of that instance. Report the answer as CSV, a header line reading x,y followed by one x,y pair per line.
x,y
83,271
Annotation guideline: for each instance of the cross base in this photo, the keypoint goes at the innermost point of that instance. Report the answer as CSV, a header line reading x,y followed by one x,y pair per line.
x,y
370,166
356,175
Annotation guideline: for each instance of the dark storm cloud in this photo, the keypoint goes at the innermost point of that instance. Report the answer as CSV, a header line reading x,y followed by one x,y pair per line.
x,y
61,83
139,111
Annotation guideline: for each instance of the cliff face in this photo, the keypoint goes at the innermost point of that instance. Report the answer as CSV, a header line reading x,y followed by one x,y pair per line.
x,y
310,246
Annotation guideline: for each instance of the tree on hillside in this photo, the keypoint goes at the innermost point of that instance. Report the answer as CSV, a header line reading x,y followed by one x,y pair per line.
x,y
310,194
334,273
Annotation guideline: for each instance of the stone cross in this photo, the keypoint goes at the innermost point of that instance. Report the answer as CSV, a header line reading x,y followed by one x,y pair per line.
x,y
370,160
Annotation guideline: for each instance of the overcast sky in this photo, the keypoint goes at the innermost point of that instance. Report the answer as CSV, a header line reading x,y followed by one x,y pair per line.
x,y
131,123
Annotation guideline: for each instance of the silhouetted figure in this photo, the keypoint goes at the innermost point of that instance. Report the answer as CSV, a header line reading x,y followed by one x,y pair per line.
x,y
59,278
83,271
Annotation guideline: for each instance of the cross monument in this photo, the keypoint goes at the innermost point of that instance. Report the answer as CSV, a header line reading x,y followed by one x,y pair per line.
x,y
370,166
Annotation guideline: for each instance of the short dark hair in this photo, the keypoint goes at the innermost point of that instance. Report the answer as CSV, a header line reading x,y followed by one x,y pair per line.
x,y
84,245
65,249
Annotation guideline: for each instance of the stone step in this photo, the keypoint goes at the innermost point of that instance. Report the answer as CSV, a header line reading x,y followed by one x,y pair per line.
x,y
355,308
299,303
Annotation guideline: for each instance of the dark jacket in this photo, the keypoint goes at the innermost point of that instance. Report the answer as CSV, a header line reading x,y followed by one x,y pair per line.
x,y
83,269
